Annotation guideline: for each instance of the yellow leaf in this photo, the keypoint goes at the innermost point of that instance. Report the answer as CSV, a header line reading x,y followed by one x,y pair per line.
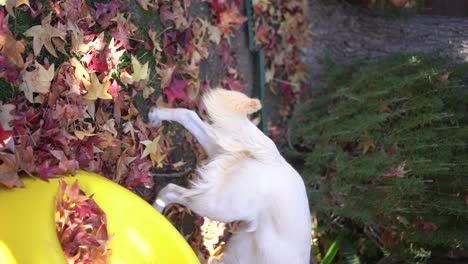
x,y
37,81
157,158
140,72
160,103
153,149
42,36
80,71
82,134
366,145
151,146
153,36
147,91
132,111
96,89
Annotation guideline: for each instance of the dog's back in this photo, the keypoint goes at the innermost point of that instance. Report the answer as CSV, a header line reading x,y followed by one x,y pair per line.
x,y
277,218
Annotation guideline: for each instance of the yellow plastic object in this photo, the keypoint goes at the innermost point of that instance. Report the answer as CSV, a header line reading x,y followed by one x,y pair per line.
x,y
140,234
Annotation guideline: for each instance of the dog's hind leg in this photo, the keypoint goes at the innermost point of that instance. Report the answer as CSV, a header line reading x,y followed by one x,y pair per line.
x,y
202,131
201,203
172,193
213,205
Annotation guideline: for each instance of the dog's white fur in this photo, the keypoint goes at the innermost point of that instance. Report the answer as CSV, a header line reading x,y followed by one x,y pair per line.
x,y
245,179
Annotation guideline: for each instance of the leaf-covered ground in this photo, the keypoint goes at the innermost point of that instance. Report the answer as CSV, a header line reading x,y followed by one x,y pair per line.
x,y
78,77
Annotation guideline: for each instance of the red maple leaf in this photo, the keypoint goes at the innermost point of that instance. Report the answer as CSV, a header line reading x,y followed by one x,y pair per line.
x,y
120,34
166,15
3,22
9,71
99,63
46,170
4,136
114,89
105,12
170,44
139,172
233,83
398,172
225,52
287,91
76,10
27,161
261,34
425,226
177,91
218,5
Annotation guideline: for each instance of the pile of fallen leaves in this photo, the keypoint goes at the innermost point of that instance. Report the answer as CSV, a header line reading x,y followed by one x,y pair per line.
x,y
79,81
76,85
81,226
282,30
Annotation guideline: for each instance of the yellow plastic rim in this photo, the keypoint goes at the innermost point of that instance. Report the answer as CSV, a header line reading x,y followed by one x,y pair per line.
x,y
140,234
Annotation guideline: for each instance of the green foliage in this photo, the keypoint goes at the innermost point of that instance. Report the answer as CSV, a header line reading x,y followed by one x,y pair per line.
x,y
7,90
331,253
385,150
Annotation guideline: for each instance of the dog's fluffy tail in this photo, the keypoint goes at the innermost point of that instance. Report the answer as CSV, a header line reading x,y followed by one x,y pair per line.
x,y
227,108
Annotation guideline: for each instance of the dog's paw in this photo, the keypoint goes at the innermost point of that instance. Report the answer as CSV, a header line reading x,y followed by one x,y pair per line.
x,y
167,195
159,205
215,261
153,117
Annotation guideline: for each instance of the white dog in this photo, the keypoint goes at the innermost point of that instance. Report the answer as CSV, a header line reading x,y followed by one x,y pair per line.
x,y
245,179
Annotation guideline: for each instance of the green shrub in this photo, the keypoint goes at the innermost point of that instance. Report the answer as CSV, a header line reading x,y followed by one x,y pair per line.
x,y
386,157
